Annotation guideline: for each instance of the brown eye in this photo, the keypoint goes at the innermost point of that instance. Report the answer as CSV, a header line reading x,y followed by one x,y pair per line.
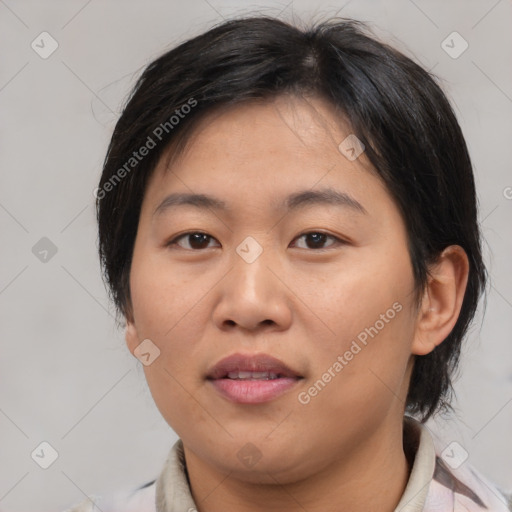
x,y
196,240
316,240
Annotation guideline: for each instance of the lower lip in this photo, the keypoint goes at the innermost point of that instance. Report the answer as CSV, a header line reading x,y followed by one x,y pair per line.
x,y
253,391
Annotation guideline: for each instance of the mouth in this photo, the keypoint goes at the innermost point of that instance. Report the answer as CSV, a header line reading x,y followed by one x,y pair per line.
x,y
245,375
252,379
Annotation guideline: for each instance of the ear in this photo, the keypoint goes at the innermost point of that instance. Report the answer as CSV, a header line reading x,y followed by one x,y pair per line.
x,y
442,300
131,336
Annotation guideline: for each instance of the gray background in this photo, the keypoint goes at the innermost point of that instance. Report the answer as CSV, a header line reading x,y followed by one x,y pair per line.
x,y
65,374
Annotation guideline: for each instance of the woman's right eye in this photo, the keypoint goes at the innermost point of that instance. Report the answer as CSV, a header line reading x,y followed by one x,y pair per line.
x,y
196,240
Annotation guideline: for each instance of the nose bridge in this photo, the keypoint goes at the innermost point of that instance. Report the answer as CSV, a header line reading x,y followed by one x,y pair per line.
x,y
250,268
251,294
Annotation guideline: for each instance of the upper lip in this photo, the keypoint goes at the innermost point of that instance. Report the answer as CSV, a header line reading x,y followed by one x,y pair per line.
x,y
250,363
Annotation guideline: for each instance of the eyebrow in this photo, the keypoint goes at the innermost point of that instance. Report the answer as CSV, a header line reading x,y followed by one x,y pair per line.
x,y
295,201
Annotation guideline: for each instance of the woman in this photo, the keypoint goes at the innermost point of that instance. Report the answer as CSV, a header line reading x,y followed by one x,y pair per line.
x,y
288,226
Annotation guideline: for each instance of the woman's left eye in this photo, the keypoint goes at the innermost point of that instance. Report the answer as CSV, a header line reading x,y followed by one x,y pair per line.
x,y
318,239
198,240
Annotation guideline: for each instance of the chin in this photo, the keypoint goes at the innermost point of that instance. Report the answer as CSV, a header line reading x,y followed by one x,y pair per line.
x,y
265,474
270,465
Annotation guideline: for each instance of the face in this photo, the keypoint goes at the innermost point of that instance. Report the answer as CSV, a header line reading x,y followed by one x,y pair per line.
x,y
301,256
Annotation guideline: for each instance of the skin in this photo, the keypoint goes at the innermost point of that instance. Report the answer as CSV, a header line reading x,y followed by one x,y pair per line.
x,y
199,302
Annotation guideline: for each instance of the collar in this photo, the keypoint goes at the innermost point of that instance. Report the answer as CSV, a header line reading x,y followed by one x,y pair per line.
x,y
172,487
419,448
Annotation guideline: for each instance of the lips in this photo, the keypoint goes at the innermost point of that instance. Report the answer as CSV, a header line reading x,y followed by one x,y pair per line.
x,y
242,366
252,379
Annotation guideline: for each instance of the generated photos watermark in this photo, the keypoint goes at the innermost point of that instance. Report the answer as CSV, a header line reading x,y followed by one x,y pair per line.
x,y
356,346
150,143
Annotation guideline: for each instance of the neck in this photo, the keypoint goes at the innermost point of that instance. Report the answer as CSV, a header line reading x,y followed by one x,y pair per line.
x,y
372,477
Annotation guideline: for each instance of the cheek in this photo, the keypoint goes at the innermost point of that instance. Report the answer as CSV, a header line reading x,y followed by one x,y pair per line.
x,y
369,378
369,314
165,298
375,348
363,299
167,309
174,398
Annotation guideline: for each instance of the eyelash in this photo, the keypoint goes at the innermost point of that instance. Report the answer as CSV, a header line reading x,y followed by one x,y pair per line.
x,y
337,240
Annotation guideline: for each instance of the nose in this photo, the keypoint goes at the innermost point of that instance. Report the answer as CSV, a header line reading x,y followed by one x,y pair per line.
x,y
253,296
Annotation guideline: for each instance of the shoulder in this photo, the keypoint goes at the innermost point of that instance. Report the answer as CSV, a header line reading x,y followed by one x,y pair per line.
x,y
463,487
141,499
170,490
454,483
441,478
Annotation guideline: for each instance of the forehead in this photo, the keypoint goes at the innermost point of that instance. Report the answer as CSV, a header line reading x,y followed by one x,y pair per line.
x,y
261,151
258,127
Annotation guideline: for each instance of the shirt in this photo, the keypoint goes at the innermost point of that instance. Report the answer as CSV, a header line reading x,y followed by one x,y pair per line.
x,y
440,481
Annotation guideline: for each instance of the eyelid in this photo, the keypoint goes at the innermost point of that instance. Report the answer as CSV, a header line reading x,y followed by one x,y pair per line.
x,y
175,239
337,240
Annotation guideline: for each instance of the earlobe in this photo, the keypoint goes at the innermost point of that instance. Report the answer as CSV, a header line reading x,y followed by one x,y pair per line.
x,y
442,300
131,336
